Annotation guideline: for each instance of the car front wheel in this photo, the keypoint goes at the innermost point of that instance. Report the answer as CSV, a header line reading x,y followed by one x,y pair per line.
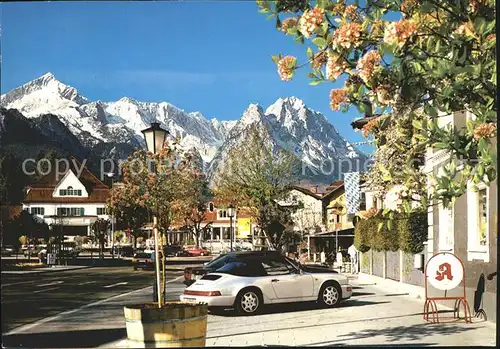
x,y
248,302
330,295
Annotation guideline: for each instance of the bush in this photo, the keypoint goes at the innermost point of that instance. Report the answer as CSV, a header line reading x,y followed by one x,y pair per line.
x,y
412,231
362,235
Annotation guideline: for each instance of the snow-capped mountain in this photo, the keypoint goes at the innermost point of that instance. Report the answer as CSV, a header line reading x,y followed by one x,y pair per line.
x,y
115,127
291,125
116,122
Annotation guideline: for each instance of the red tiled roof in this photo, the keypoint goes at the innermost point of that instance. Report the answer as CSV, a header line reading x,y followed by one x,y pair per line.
x,y
332,188
307,192
40,195
42,190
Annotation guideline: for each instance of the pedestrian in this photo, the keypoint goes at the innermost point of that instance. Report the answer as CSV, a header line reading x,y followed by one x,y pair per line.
x,y
322,257
353,254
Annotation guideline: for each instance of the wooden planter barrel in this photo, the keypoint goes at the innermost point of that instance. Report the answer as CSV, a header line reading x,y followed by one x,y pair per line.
x,y
176,324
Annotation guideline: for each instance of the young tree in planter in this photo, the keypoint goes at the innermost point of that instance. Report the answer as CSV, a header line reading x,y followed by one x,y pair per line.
x,y
258,176
405,56
100,229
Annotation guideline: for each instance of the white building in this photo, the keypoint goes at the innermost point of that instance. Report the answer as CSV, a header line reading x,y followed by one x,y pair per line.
x,y
69,202
309,213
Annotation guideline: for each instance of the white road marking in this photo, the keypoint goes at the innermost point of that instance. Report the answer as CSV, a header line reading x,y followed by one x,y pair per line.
x,y
117,284
18,283
28,327
46,289
52,283
87,282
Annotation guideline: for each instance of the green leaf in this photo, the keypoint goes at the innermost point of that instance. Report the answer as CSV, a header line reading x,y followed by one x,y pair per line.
x,y
389,224
309,52
264,10
276,59
380,226
320,42
441,145
417,124
316,82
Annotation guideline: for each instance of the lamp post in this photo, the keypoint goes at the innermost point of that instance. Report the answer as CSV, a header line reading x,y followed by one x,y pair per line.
x,y
111,175
230,213
155,137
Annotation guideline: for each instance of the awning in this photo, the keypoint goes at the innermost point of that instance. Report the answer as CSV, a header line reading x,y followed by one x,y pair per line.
x,y
342,232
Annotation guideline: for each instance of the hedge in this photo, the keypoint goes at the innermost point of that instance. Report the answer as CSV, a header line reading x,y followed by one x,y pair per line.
x,y
407,233
362,234
413,232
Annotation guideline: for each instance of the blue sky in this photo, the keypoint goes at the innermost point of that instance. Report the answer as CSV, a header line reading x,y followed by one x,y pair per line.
x,y
212,57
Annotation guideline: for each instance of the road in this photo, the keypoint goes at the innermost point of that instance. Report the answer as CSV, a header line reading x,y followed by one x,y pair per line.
x,y
374,316
30,297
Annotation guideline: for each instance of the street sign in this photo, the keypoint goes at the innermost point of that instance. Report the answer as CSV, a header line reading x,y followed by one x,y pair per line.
x,y
51,258
445,271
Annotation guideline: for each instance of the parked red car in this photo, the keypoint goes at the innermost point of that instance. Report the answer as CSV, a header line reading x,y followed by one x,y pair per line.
x,y
196,251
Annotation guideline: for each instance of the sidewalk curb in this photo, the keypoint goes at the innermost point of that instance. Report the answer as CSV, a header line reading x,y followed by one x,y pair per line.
x,y
416,292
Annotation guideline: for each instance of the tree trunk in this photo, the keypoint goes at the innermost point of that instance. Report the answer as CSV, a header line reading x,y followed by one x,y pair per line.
x,y
195,238
101,247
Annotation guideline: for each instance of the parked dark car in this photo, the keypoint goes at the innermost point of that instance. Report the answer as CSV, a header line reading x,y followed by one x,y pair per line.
x,y
192,274
175,251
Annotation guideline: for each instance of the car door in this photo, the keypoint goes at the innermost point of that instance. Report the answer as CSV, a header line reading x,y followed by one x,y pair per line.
x,y
286,281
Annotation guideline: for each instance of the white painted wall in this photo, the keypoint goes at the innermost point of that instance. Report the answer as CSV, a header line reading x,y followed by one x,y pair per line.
x,y
309,216
70,180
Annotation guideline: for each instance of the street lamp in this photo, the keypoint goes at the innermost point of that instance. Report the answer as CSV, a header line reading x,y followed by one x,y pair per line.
x,y
155,138
230,212
112,175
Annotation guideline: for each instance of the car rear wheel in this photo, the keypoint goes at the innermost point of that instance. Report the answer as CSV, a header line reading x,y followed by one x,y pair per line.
x,y
330,295
248,302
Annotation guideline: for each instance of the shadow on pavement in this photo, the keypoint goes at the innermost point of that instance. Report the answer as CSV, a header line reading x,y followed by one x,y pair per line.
x,y
65,339
408,333
330,344
357,294
301,306
372,332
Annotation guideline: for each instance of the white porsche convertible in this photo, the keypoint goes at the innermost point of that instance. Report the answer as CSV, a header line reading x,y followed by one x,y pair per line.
x,y
250,282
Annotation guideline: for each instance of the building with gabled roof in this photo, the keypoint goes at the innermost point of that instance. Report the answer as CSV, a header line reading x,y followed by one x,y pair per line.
x,y
69,199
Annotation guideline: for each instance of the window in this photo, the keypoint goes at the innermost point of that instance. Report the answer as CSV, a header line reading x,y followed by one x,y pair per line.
x,y
446,228
38,210
482,216
275,267
250,268
70,211
362,204
211,207
222,214
101,211
478,223
70,192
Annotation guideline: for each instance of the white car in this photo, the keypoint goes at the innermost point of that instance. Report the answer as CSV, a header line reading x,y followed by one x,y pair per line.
x,y
249,283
